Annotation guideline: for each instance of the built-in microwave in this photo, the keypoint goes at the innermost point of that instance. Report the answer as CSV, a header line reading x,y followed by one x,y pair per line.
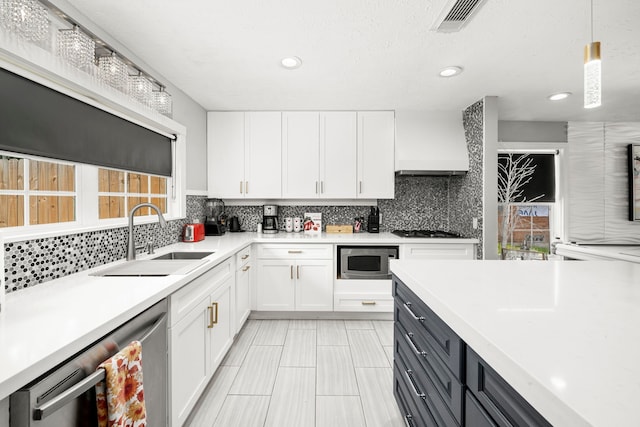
x,y
365,262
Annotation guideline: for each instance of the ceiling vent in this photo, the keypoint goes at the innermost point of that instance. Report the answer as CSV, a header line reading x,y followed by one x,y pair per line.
x,y
455,14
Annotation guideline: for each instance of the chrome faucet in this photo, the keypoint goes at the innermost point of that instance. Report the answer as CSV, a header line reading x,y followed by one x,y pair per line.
x,y
131,246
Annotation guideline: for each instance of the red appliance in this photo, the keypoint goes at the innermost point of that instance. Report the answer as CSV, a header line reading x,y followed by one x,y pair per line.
x,y
193,232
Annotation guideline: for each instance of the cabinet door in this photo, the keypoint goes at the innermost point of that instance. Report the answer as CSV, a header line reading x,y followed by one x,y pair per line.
x,y
275,285
225,154
300,155
220,323
338,142
314,285
243,297
376,136
190,342
263,155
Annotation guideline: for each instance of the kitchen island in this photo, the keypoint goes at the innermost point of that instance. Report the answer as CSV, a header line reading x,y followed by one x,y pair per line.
x,y
563,335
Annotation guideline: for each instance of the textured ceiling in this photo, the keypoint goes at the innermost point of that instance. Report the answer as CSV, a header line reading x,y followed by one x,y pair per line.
x,y
380,54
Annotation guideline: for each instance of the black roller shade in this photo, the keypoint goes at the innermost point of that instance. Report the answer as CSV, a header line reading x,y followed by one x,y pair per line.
x,y
543,180
40,121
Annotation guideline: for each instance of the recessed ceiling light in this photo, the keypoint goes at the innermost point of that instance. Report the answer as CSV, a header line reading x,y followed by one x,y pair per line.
x,y
450,71
559,96
291,62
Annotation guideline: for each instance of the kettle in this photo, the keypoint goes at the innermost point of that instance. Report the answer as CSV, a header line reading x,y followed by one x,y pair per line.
x,y
234,224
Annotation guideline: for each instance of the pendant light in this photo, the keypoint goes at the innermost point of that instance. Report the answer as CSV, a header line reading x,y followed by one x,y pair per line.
x,y
592,72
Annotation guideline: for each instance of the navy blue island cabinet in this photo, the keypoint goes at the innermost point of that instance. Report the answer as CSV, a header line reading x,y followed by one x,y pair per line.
x,y
440,381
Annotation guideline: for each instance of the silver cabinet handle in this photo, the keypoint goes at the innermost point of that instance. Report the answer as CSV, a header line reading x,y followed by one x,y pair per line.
x,y
295,252
297,271
407,306
240,187
246,187
322,187
413,386
408,337
316,187
360,186
291,272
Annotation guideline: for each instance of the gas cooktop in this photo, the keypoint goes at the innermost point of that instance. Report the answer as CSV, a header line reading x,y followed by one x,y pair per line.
x,y
429,234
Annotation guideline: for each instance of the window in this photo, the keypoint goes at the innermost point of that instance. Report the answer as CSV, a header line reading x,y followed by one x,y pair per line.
x,y
34,192
119,191
527,193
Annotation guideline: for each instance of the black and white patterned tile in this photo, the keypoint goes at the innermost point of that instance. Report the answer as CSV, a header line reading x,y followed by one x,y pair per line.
x,y
30,262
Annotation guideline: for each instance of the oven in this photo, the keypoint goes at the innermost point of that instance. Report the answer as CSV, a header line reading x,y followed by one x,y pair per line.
x,y
365,262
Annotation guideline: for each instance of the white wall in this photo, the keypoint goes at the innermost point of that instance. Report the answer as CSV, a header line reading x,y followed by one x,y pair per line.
x,y
597,187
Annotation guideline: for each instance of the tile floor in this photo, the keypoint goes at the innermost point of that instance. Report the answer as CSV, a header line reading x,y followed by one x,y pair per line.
x,y
301,373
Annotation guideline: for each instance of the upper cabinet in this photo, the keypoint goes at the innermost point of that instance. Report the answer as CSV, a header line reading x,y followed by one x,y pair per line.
x,y
301,155
319,155
244,157
376,131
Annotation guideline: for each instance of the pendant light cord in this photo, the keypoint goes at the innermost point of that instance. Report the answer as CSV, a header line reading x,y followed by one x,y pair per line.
x,y
591,18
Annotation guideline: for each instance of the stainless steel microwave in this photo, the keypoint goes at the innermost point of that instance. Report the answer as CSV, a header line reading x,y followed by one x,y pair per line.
x,y
365,262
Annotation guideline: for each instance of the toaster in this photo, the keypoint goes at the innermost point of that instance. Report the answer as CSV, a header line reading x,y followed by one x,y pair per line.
x,y
193,232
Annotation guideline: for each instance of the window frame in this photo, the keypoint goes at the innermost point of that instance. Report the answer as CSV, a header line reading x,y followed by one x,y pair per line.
x,y
557,220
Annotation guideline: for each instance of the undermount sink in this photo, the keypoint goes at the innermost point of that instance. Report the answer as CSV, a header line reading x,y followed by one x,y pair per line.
x,y
182,255
150,268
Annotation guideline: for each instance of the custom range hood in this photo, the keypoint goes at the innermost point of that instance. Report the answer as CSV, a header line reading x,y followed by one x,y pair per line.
x,y
430,143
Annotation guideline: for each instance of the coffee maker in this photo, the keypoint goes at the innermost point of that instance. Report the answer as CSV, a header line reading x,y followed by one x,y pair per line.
x,y
270,219
215,222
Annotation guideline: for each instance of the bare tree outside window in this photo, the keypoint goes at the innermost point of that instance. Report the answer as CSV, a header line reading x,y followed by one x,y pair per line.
x,y
514,173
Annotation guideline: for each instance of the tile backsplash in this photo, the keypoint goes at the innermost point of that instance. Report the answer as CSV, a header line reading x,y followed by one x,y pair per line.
x,y
30,262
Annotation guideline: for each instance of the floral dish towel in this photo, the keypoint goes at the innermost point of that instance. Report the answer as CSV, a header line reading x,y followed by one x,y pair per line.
x,y
121,400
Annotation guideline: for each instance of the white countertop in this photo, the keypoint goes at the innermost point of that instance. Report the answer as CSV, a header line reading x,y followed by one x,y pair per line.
x,y
599,252
565,335
43,325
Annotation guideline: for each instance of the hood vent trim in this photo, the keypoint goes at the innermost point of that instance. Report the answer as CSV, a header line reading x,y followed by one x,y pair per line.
x,y
456,14
430,173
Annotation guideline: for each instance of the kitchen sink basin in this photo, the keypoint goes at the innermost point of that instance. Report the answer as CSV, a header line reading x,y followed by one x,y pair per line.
x,y
150,268
182,255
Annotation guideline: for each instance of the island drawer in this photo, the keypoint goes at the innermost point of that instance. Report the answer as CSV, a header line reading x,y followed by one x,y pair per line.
x,y
411,407
411,311
421,378
420,357
505,406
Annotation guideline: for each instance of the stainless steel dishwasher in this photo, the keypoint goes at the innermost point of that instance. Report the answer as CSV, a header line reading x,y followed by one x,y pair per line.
x,y
65,396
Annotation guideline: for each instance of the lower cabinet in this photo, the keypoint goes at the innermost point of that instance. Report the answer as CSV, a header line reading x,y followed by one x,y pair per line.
x,y
200,334
243,288
440,381
294,278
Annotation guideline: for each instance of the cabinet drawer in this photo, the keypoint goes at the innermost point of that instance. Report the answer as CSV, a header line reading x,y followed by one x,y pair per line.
x,y
243,256
362,302
411,405
415,315
474,414
438,251
187,297
448,389
309,251
505,406
417,377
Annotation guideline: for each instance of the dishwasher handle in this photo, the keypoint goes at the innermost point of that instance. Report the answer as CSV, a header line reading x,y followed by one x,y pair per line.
x,y
46,409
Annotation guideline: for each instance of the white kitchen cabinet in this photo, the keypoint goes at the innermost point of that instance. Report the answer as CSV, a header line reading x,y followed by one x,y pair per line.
x,y
199,336
243,287
244,154
294,278
376,136
338,155
300,154
438,251
319,155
